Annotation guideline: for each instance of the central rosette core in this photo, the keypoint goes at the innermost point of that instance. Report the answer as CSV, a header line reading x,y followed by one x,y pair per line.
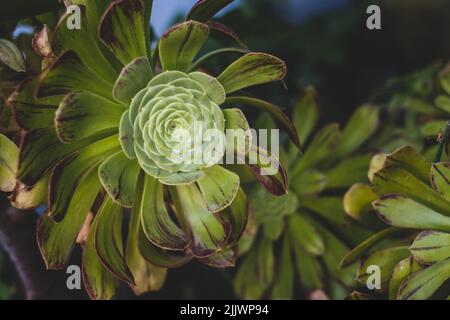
x,y
177,126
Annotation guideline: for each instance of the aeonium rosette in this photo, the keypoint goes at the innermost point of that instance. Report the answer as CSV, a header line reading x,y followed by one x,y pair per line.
x,y
110,113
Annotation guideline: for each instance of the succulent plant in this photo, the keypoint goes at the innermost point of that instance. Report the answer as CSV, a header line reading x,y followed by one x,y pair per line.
x,y
305,233
412,196
105,126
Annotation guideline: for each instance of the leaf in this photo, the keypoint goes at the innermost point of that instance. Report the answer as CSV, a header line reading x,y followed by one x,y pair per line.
x,y
56,239
274,110
9,158
268,170
306,113
156,222
214,54
108,240
308,183
126,135
361,126
83,114
237,215
250,70
223,259
226,30
349,171
147,277
432,128
11,56
377,163
67,74
440,179
403,212
423,284
411,160
273,228
204,10
386,260
402,270
309,269
283,287
305,235
397,180
218,187
122,30
25,197
443,103
357,252
213,88
238,133
99,282
30,112
208,231
180,45
321,147
134,77
246,282
430,247
358,199
119,176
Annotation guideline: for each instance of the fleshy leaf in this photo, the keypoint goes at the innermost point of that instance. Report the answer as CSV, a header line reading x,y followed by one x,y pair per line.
x,y
430,247
83,114
411,160
443,103
273,229
126,137
223,259
11,56
134,77
440,179
403,212
239,136
305,235
218,187
237,215
423,284
250,70
211,85
349,171
308,268
122,30
68,74
209,231
204,10
284,280
25,197
119,176
357,200
9,158
306,114
156,222
108,239
274,110
179,46
402,270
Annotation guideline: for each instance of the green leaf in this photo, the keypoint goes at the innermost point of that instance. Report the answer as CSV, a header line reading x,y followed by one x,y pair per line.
x,y
274,110
377,163
246,282
432,128
356,253
403,212
238,134
309,269
225,258
208,231
268,170
215,53
386,260
402,270
156,221
147,276
308,183
56,239
119,176
218,187
11,56
9,158
411,160
397,180
273,228
67,74
358,130
99,282
440,179
357,200
321,147
443,103
134,77
349,171
204,10
126,135
27,198
83,114
30,112
306,114
305,235
237,215
41,150
180,45
213,88
444,78
108,240
250,70
283,287
122,30
423,284
430,247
